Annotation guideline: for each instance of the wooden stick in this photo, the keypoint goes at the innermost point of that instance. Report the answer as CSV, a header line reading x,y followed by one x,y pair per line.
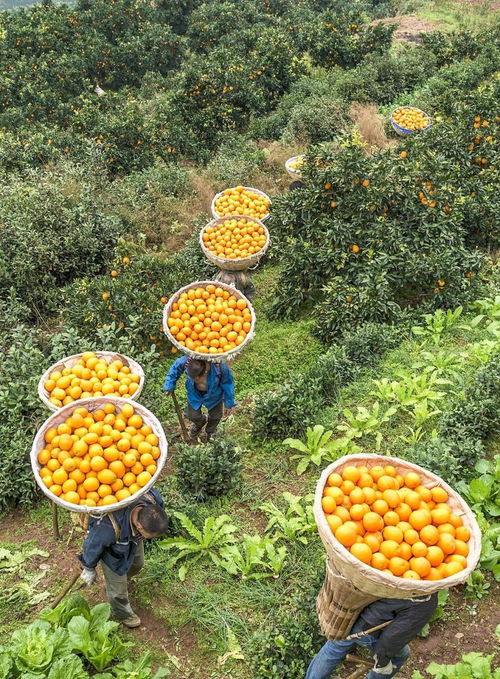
x,y
357,635
357,673
361,661
55,522
180,417
65,590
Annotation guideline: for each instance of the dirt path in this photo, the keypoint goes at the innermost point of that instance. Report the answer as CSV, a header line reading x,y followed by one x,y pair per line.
x,y
409,27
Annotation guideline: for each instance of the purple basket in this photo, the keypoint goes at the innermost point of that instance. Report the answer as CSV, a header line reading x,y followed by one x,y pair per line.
x,y
404,131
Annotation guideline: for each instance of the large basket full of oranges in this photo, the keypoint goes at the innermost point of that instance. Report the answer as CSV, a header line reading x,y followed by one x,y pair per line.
x,y
294,166
88,375
393,529
234,244
407,119
241,200
209,320
98,455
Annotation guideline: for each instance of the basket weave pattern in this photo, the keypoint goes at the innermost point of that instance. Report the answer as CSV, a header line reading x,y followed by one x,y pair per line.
x,y
70,361
242,263
228,355
370,580
94,404
339,604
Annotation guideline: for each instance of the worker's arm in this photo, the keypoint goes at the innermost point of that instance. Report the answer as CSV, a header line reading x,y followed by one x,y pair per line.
x,y
404,627
227,384
100,536
176,370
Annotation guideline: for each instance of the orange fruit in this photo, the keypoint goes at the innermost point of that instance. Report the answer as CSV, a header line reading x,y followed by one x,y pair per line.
x,y
91,484
373,522
389,548
143,478
358,511
420,565
380,506
379,561
412,499
424,492
452,569
404,525
435,555
357,496
346,535
439,494
411,536
347,486
419,549
390,470
447,543
434,574
59,476
405,551
362,552
72,497
328,503
104,490
412,480
403,511
458,558
455,520
106,476
128,479
333,521
365,481
398,566
462,533
447,528
391,518
334,480
461,548
419,518
440,515
129,460
351,473
391,497
118,468
429,535
370,495
342,513
386,482
393,533
373,541
376,472
411,575
335,492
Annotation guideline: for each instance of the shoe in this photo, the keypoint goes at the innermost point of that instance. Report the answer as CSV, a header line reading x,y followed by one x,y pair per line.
x,y
195,429
132,621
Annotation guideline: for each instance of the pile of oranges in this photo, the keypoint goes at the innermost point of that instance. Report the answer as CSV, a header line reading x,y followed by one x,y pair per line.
x,y
296,164
242,201
209,320
394,523
91,376
99,458
410,118
234,238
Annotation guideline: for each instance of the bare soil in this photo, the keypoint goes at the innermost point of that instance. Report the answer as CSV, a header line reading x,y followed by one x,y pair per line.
x,y
409,27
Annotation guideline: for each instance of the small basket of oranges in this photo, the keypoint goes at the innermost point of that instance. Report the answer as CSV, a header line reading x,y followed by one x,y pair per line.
x,y
294,166
209,320
90,375
407,119
234,244
98,455
241,200
394,529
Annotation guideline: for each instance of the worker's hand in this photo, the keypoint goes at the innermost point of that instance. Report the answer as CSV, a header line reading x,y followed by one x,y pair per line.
x,y
385,669
88,576
168,393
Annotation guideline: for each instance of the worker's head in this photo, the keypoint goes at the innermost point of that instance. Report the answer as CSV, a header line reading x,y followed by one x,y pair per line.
x,y
195,368
151,521
296,185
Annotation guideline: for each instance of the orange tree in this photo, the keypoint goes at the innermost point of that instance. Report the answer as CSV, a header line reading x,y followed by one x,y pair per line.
x,y
371,238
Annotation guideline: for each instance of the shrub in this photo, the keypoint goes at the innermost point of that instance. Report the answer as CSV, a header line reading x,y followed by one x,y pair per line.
x,y
208,470
449,459
316,120
50,237
286,647
369,342
236,161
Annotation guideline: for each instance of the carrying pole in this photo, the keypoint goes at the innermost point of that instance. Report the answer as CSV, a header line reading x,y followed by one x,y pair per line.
x,y
55,522
66,589
357,635
180,417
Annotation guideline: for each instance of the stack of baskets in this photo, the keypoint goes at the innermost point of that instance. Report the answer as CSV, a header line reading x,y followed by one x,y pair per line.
x,y
350,584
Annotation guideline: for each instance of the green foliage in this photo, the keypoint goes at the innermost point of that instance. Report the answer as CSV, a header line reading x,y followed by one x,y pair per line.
x,y
295,523
204,544
473,665
49,238
208,470
140,669
34,648
447,458
236,161
256,558
483,492
318,448
477,585
284,648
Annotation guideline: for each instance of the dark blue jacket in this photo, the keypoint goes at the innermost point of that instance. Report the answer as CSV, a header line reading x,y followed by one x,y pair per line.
x,y
101,542
220,385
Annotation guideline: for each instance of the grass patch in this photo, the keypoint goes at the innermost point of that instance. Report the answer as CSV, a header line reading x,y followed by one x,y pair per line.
x,y
459,16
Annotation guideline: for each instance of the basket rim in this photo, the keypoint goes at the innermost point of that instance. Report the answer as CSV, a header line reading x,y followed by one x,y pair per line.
x,y
221,261
93,404
215,358
290,160
406,129
409,586
137,368
248,188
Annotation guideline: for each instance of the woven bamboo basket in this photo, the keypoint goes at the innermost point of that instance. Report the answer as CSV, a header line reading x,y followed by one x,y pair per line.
x,y
249,188
70,361
227,355
338,604
93,404
370,580
294,174
242,263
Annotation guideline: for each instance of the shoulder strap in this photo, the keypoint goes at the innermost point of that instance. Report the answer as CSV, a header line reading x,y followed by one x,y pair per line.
x,y
148,496
116,527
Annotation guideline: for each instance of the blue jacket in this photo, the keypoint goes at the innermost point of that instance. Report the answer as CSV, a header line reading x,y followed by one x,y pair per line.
x,y
101,542
220,385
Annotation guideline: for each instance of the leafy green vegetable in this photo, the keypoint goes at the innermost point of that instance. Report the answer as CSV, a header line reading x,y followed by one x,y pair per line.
x,y
257,557
317,448
295,522
141,669
472,666
5,664
36,646
67,609
97,639
68,668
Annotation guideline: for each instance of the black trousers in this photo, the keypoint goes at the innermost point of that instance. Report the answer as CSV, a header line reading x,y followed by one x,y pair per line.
x,y
198,418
